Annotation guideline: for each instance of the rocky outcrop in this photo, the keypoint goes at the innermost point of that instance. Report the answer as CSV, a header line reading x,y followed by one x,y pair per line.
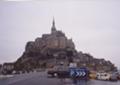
x,y
54,48
50,46
94,64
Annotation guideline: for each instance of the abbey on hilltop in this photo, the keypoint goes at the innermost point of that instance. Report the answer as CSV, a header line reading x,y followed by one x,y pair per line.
x,y
52,49
48,50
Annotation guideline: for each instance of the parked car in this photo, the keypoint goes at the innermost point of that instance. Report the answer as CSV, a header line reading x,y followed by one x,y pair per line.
x,y
92,75
103,76
58,71
114,76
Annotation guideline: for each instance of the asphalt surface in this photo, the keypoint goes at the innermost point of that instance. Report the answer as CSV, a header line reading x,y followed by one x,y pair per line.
x,y
41,78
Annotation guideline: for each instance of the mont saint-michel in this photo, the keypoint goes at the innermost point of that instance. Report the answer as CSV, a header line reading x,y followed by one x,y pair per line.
x,y
53,59
60,42
52,49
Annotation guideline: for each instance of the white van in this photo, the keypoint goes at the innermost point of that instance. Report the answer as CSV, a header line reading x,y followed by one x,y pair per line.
x,y
103,76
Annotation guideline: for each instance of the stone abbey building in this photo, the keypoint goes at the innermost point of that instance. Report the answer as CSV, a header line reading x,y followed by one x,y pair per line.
x,y
54,48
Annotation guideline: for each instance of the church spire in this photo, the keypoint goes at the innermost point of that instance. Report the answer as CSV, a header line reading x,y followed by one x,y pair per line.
x,y
53,22
53,29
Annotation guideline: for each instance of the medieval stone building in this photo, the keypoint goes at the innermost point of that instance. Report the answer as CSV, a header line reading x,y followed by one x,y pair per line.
x,y
52,49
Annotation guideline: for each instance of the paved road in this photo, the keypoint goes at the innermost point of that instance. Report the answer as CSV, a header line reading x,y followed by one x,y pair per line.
x,y
30,79
42,79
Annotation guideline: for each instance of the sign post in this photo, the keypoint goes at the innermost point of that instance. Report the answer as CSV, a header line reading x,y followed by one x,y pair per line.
x,y
80,73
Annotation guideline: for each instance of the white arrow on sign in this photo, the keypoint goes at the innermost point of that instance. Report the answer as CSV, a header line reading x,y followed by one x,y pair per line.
x,y
78,73
84,73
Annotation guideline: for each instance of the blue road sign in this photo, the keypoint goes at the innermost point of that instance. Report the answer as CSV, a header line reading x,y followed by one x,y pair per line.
x,y
78,72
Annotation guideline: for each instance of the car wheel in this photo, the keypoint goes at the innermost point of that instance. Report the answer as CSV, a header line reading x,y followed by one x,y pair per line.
x,y
55,74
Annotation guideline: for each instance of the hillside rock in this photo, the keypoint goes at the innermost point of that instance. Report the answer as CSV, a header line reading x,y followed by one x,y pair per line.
x,y
87,60
54,48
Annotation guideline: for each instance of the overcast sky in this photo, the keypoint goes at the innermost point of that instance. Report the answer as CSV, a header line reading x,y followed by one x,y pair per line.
x,y
94,26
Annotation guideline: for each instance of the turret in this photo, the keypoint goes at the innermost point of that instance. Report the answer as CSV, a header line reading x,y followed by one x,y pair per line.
x,y
53,28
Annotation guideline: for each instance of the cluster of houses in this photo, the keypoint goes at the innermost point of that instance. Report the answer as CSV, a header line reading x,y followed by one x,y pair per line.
x,y
6,68
9,68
